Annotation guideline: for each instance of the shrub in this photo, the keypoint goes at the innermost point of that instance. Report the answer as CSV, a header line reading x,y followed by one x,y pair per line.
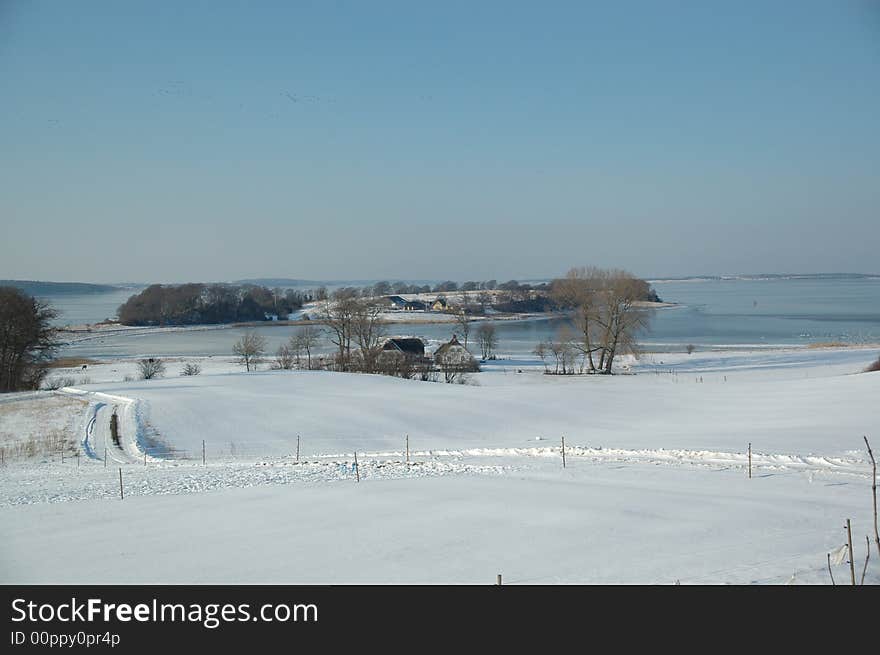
x,y
191,368
690,348
151,368
53,384
874,367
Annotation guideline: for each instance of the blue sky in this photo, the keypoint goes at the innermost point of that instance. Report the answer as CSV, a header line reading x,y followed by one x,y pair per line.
x,y
158,141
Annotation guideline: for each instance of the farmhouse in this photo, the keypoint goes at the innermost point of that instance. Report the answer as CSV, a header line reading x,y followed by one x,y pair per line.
x,y
406,347
454,354
398,302
439,305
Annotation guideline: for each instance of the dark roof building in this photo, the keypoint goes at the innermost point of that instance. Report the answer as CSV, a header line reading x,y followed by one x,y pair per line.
x,y
409,346
410,305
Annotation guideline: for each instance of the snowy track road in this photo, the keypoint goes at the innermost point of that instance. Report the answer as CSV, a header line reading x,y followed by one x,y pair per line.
x,y
96,440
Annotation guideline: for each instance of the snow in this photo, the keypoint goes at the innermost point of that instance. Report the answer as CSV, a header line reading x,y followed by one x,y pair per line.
x,y
596,524
655,487
263,412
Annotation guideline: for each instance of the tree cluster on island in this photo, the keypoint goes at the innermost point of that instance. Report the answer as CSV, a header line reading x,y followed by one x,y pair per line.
x,y
197,303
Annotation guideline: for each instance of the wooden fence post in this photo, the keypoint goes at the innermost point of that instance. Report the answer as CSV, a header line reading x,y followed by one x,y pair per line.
x,y
407,449
498,580
750,460
105,456
297,449
121,492
204,457
357,469
874,491
563,452
852,566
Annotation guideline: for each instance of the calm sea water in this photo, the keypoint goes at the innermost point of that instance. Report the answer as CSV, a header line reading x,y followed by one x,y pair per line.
x,y
79,309
711,313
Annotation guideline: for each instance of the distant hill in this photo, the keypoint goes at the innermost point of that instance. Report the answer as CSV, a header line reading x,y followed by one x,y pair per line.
x,y
271,282
35,288
280,282
771,276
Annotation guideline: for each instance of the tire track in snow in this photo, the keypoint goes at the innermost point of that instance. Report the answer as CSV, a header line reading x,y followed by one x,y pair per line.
x,y
96,439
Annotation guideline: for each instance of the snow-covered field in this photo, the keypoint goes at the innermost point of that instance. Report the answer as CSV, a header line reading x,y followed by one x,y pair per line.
x,y
655,487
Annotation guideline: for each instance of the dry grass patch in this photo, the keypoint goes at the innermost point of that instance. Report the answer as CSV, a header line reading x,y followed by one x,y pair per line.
x,y
42,426
72,362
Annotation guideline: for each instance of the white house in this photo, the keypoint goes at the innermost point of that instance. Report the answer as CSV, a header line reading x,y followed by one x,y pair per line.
x,y
454,354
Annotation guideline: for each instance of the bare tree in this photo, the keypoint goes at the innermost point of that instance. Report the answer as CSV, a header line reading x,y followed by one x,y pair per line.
x,y
368,330
604,312
295,349
564,352
303,343
579,290
541,350
309,338
284,358
620,319
250,349
607,313
338,314
152,367
27,340
486,334
464,324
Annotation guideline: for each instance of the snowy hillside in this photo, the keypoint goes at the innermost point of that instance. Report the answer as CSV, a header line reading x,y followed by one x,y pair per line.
x,y
655,486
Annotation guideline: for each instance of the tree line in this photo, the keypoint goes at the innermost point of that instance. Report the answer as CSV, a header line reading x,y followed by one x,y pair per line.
x,y
197,303
511,296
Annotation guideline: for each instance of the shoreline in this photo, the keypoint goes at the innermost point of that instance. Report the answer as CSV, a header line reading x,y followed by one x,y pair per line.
x,y
431,318
115,329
